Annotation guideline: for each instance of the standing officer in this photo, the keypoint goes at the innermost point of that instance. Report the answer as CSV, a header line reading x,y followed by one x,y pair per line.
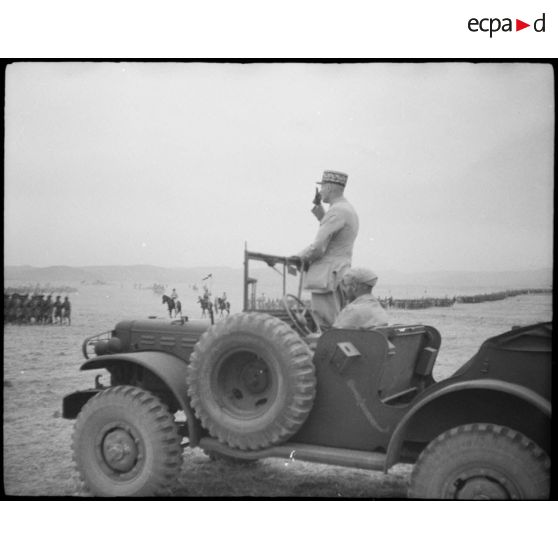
x,y
327,258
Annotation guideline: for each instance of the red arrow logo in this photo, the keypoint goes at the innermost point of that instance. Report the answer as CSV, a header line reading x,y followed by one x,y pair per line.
x,y
519,25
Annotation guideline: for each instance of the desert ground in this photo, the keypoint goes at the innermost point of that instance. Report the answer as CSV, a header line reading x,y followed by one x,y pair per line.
x,y
41,365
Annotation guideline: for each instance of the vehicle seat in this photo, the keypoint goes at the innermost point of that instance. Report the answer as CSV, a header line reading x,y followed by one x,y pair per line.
x,y
410,360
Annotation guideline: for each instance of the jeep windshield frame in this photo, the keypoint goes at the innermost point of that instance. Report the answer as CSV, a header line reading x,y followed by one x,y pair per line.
x,y
287,266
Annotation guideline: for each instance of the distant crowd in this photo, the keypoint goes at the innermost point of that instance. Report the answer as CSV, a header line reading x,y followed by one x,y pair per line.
x,y
157,288
416,303
500,295
428,302
266,303
33,308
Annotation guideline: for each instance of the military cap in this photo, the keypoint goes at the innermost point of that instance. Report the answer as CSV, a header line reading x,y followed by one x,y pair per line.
x,y
334,177
361,275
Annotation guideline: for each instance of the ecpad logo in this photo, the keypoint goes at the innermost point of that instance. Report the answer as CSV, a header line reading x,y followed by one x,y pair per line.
x,y
494,24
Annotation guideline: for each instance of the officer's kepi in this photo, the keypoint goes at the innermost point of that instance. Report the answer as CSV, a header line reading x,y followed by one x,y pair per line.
x,y
334,177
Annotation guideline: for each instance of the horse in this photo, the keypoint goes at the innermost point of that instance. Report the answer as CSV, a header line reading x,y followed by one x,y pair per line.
x,y
170,304
203,303
206,306
177,308
223,305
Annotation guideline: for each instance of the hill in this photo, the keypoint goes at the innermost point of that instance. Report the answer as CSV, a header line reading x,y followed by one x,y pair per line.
x,y
268,280
146,274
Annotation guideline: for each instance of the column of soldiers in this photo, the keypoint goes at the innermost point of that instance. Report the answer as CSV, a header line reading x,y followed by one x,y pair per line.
x,y
36,309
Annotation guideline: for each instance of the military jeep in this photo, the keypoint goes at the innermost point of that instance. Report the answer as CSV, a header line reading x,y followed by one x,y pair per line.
x,y
269,384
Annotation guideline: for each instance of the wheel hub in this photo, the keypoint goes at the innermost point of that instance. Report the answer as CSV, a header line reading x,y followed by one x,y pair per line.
x,y
481,486
255,378
245,383
120,451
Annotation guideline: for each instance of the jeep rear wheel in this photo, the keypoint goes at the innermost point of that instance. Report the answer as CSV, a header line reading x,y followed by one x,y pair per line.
x,y
481,462
251,381
126,444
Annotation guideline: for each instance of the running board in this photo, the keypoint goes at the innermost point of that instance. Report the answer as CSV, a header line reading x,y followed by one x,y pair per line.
x,y
303,452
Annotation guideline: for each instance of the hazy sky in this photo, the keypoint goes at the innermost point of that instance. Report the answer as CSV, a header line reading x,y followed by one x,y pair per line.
x,y
450,164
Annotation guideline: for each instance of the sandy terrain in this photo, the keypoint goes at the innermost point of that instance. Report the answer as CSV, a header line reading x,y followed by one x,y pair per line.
x,y
41,365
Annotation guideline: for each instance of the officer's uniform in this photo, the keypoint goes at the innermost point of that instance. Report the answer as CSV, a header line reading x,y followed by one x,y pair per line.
x,y
330,254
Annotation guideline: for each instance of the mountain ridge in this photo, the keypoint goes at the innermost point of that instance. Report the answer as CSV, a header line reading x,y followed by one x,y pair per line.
x,y
146,273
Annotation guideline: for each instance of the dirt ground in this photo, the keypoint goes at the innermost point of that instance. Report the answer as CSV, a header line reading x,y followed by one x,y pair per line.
x,y
41,365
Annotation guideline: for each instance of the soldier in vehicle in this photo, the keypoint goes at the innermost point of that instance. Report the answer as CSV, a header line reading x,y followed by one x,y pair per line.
x,y
327,258
364,310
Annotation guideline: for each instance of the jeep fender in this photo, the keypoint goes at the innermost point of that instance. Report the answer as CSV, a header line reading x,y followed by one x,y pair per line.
x,y
168,368
526,395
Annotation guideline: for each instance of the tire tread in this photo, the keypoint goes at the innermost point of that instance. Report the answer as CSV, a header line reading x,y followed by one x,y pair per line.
x,y
301,373
162,428
435,452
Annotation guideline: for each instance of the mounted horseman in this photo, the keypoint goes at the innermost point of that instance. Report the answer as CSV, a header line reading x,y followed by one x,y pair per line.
x,y
170,304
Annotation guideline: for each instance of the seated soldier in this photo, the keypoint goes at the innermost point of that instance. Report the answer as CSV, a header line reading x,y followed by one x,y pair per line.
x,y
364,310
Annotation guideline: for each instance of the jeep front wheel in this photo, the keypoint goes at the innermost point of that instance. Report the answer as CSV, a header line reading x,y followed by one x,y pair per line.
x,y
481,462
251,381
126,444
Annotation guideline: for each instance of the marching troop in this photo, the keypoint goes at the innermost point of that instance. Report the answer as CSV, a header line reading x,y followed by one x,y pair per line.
x,y
29,308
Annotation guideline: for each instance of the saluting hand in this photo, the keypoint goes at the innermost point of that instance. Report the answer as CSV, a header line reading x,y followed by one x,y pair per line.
x,y
317,198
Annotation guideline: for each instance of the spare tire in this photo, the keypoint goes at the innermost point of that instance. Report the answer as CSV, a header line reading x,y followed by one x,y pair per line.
x,y
251,381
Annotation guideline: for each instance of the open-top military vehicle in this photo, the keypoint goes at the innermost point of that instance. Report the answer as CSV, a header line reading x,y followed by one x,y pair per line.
x,y
268,384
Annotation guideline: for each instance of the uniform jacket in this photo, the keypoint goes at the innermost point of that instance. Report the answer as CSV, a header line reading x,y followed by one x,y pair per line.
x,y
331,252
363,313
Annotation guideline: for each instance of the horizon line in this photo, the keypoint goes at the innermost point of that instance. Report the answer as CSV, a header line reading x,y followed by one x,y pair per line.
x,y
240,267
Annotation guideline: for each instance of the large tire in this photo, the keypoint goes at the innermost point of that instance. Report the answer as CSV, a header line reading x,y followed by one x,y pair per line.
x,y
481,462
126,444
251,381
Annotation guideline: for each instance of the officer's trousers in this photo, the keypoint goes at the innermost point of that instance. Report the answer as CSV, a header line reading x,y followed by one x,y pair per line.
x,y
326,306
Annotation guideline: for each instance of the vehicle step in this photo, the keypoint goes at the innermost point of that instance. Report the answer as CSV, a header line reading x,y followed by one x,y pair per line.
x,y
303,452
